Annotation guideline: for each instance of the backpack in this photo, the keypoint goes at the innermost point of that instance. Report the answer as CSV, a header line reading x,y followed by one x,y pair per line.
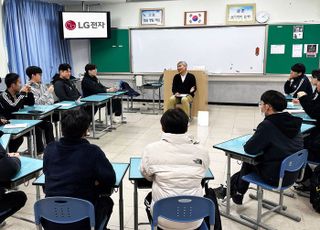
x,y
315,189
130,92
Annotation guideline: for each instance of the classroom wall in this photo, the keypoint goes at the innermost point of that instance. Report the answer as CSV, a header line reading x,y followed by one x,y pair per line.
x,y
223,88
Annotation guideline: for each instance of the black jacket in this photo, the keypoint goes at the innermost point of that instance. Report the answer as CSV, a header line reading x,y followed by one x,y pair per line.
x,y
72,167
8,104
91,85
311,106
9,166
184,87
277,136
298,84
65,90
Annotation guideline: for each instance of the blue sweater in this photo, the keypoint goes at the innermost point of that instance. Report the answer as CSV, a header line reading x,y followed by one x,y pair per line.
x,y
72,167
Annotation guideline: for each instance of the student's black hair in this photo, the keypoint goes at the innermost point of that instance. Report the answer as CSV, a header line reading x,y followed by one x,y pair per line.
x,y
299,68
316,73
75,123
90,67
64,67
33,70
11,78
274,98
174,121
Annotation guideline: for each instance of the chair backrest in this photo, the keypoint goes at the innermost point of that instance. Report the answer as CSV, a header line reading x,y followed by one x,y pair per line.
x,y
183,209
293,163
161,79
64,210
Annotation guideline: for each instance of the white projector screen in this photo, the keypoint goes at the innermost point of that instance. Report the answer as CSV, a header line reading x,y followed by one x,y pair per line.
x,y
237,49
81,25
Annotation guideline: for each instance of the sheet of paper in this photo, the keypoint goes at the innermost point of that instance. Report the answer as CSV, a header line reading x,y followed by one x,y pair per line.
x,y
182,95
297,50
65,105
295,111
15,126
277,49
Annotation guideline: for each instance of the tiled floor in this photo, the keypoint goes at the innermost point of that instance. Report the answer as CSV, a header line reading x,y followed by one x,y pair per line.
x,y
225,122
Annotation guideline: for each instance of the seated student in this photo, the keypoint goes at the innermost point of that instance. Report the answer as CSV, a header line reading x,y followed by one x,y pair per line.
x,y
75,168
13,99
277,136
311,105
174,164
42,96
297,81
183,83
64,88
10,202
91,85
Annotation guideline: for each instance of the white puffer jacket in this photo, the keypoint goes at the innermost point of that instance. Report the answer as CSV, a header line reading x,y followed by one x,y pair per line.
x,y
176,166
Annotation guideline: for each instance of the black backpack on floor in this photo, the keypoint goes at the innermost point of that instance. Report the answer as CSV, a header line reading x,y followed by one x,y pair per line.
x,y
315,189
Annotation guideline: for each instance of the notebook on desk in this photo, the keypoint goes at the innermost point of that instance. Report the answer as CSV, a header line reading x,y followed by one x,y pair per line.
x,y
15,126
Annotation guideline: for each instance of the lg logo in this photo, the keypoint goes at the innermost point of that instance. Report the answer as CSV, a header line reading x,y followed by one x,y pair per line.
x,y
70,25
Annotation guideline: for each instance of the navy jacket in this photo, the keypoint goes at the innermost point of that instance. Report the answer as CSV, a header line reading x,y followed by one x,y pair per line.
x,y
72,168
65,90
184,87
91,85
277,136
298,84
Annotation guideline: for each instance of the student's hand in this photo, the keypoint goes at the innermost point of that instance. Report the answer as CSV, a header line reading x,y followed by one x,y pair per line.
x,y
301,94
51,89
25,89
3,121
111,90
192,89
176,94
14,155
295,101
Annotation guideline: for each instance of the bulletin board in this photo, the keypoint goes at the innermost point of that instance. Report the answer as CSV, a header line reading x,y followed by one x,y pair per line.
x,y
284,47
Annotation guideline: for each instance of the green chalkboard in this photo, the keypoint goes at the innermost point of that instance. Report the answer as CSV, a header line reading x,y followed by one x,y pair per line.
x,y
112,55
283,35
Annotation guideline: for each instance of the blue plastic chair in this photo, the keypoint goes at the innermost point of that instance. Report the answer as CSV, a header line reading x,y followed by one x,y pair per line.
x,y
292,163
63,210
184,209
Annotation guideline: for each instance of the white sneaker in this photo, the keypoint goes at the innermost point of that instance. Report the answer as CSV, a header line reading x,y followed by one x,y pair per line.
x,y
117,119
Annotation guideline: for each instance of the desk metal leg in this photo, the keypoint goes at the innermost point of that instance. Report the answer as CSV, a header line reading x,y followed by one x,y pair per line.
x,y
93,122
135,206
159,98
227,213
60,117
121,219
122,121
33,133
111,115
153,99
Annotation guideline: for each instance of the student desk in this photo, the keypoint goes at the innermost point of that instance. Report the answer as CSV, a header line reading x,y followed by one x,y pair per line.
x,y
36,111
305,117
289,97
4,140
291,105
140,182
117,94
120,170
65,106
96,100
18,132
234,149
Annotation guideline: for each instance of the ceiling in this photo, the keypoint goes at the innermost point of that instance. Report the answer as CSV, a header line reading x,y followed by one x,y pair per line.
x,y
67,2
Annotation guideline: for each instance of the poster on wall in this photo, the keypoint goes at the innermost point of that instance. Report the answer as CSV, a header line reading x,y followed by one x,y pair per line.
x,y
277,49
241,13
311,50
297,32
297,50
152,17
